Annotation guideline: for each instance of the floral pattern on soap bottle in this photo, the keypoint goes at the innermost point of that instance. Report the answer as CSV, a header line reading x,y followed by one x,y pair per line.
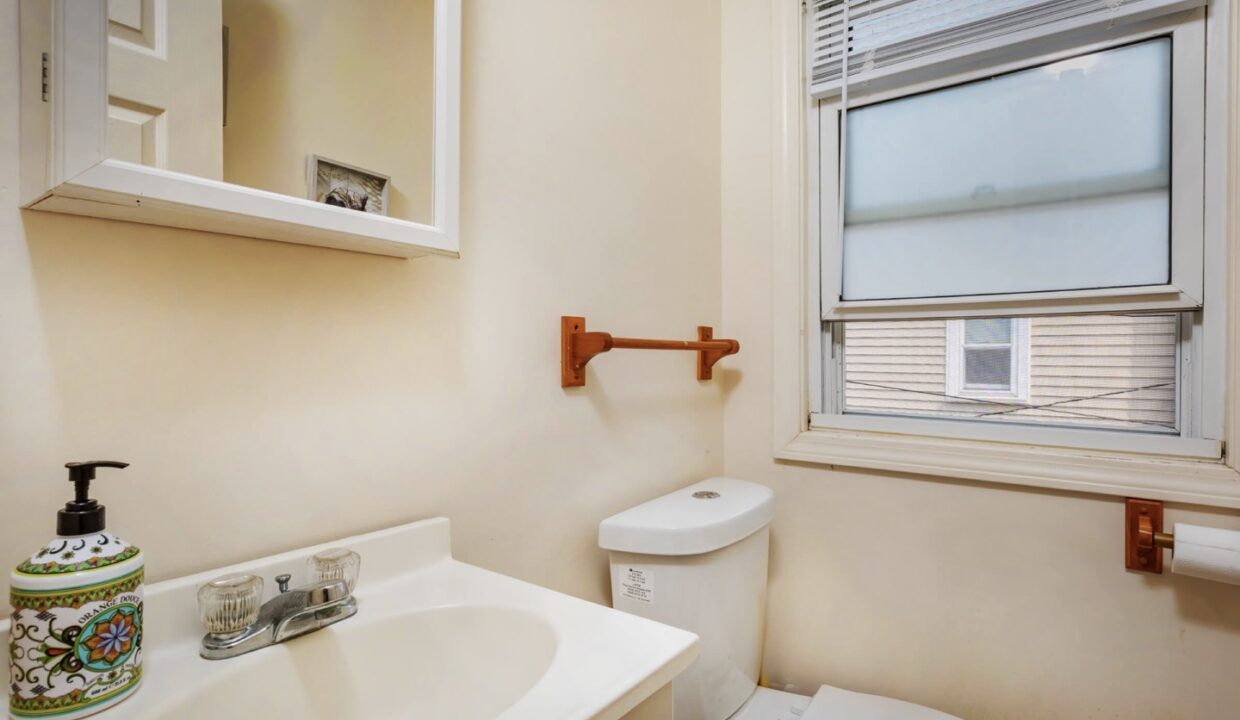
x,y
109,639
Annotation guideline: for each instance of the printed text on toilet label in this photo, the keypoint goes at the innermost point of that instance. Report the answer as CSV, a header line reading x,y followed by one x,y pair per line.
x,y
637,584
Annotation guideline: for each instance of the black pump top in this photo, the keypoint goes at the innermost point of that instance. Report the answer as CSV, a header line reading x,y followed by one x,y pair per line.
x,y
83,516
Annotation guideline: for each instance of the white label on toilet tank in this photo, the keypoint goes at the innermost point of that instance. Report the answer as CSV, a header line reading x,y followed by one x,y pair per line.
x,y
637,584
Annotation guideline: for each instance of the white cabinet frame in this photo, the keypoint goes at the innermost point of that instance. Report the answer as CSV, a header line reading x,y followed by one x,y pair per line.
x,y
65,168
1044,458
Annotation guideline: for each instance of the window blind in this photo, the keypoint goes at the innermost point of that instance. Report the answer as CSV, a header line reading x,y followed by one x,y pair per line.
x,y
886,37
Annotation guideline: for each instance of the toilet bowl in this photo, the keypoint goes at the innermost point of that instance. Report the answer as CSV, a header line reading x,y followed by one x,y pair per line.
x,y
831,703
697,559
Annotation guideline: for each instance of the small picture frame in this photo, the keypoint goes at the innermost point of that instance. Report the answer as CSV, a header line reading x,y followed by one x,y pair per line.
x,y
335,183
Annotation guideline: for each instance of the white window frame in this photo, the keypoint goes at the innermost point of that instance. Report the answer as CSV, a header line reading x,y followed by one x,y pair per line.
x,y
1187,469
1195,439
1017,388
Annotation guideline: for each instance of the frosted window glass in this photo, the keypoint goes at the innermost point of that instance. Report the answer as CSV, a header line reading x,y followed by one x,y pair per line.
x,y
1052,178
992,331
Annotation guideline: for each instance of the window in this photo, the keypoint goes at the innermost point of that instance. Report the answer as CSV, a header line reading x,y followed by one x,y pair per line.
x,y
1010,233
988,359
1047,181
1031,181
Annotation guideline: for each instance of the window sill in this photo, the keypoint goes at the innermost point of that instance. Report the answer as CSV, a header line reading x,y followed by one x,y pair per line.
x,y
1005,434
1157,477
1003,396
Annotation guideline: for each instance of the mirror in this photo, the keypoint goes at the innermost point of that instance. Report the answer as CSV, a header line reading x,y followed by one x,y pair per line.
x,y
328,101
334,124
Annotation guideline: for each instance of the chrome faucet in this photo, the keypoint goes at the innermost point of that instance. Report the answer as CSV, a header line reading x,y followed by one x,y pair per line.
x,y
237,625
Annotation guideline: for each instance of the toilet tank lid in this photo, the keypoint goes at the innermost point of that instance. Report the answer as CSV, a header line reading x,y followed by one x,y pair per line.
x,y
703,517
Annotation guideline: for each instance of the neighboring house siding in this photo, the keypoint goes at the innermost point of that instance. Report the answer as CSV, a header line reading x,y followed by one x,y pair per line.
x,y
901,368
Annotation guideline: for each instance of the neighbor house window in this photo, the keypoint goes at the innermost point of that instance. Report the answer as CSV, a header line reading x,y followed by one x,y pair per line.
x,y
1009,218
988,358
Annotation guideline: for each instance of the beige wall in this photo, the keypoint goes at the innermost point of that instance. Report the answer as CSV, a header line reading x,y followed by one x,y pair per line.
x,y
353,82
985,601
272,395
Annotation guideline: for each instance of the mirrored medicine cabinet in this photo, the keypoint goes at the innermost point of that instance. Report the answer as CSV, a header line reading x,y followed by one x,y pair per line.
x,y
304,121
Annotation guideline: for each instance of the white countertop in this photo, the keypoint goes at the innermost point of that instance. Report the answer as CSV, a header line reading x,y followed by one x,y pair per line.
x,y
602,663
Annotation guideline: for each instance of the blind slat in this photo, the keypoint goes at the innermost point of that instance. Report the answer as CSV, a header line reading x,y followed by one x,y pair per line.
x,y
887,37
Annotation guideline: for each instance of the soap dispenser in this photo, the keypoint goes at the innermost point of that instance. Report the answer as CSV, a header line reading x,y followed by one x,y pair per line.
x,y
75,641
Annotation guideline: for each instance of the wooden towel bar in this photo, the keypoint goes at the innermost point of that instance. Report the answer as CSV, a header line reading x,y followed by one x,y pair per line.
x,y
577,347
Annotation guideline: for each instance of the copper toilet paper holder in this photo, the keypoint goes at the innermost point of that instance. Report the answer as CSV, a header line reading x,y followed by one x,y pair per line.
x,y
1144,538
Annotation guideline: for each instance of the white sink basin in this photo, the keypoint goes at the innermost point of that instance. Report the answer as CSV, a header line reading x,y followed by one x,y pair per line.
x,y
433,639
464,662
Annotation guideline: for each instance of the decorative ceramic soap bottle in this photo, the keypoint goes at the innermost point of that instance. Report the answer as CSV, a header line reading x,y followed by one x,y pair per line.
x,y
76,636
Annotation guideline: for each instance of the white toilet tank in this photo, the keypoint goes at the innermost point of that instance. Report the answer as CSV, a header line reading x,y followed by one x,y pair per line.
x,y
696,559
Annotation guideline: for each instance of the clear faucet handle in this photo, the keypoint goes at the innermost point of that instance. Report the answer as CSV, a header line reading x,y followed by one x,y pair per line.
x,y
335,564
230,603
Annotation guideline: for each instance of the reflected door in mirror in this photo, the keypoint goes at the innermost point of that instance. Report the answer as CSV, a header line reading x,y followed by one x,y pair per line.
x,y
328,101
165,88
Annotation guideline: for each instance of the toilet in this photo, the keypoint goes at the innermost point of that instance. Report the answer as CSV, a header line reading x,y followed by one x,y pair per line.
x,y
696,559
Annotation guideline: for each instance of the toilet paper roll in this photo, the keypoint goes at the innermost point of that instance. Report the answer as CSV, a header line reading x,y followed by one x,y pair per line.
x,y
1207,553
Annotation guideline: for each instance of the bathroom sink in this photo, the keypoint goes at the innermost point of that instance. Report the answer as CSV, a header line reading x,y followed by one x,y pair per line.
x,y
463,662
433,639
